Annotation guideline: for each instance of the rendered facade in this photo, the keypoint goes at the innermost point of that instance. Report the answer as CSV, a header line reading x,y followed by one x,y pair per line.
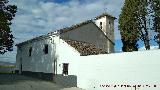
x,y
50,56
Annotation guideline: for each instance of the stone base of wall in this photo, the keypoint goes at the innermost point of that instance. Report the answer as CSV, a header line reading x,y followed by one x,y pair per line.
x,y
40,75
66,81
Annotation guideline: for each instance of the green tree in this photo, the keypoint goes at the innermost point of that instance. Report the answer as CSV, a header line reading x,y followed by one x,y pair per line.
x,y
128,26
156,24
134,23
7,12
143,18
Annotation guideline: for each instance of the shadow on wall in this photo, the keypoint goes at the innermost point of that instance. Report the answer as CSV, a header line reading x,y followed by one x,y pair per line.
x,y
39,61
66,81
43,61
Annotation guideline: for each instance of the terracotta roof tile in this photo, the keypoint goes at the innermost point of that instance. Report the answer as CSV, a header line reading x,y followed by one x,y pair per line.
x,y
85,48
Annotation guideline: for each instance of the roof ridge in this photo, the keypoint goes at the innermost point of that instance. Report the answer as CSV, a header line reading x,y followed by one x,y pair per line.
x,y
36,38
66,29
56,32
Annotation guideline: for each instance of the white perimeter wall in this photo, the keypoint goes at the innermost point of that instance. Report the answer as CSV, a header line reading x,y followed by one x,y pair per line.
x,y
134,68
67,54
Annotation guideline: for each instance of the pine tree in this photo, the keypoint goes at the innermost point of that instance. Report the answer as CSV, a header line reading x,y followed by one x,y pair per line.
x,y
128,26
134,24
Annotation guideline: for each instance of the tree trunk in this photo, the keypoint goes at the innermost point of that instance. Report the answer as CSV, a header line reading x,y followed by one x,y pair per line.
x,y
145,39
146,42
146,36
159,40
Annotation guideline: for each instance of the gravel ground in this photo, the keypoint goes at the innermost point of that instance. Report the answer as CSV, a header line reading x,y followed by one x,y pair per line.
x,y
20,82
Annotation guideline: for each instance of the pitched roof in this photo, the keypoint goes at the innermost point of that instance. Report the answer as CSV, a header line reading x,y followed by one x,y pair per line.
x,y
37,39
85,48
105,14
64,30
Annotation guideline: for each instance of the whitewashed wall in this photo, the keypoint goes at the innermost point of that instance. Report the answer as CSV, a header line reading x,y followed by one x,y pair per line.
x,y
120,69
134,68
67,54
108,26
104,24
95,72
38,61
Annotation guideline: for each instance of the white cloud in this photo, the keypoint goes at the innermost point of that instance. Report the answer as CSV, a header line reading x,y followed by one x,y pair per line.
x,y
37,17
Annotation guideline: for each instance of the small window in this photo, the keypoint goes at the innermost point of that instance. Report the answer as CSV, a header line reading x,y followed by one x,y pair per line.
x,y
46,49
110,24
30,51
65,69
100,25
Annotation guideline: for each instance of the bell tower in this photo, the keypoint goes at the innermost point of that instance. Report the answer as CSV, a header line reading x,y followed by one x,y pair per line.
x,y
106,23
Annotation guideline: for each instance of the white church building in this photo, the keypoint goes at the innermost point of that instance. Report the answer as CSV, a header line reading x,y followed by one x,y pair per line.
x,y
41,54
83,55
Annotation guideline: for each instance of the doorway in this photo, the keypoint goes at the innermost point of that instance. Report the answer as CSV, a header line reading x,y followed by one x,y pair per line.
x,y
65,69
20,66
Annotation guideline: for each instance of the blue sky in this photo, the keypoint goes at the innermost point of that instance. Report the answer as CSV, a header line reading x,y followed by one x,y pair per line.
x,y
38,17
